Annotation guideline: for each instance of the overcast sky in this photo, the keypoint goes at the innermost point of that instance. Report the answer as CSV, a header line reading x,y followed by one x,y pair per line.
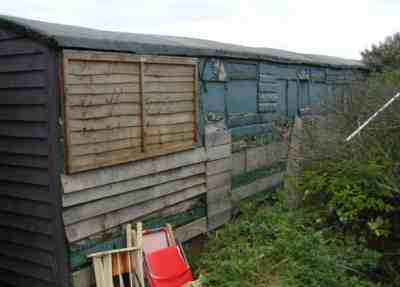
x,y
340,28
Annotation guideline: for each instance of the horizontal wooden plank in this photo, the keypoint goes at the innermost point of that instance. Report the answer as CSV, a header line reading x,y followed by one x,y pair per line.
x,y
107,205
24,175
216,134
101,223
25,268
169,108
191,230
218,152
26,207
101,67
168,78
95,193
251,130
36,240
7,35
23,129
102,111
21,63
102,147
221,193
168,138
168,87
96,136
149,148
26,223
267,107
40,257
268,97
172,129
16,279
240,120
23,146
23,160
32,79
168,70
80,162
36,113
169,119
257,186
31,96
20,47
131,170
104,123
218,166
167,97
219,219
25,191
99,89
219,180
103,79
238,163
106,99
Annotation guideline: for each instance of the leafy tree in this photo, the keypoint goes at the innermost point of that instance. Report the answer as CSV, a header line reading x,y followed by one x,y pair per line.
x,y
385,55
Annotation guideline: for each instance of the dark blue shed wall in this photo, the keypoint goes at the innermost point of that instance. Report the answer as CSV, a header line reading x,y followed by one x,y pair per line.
x,y
253,94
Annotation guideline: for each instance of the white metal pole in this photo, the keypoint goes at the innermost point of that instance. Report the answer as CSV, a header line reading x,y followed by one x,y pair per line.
x,y
371,118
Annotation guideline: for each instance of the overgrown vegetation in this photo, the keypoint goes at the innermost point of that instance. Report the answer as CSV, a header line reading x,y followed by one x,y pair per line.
x,y
276,247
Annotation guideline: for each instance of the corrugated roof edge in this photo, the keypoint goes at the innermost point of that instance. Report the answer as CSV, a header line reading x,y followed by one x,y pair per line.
x,y
74,37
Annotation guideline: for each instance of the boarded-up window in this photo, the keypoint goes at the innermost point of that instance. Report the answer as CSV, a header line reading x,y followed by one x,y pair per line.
x,y
121,107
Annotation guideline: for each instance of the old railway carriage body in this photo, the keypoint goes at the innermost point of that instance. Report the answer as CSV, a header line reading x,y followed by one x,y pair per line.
x,y
99,128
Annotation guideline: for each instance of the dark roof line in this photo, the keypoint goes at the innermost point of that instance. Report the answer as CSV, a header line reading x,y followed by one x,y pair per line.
x,y
74,37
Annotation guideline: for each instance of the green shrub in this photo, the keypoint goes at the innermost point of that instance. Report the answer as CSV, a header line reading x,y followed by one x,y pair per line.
x,y
361,193
279,248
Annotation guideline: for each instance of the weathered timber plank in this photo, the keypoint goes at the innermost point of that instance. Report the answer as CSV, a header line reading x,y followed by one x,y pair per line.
x,y
159,147
101,89
107,205
102,111
21,129
218,152
104,123
80,162
169,108
131,170
113,189
191,230
219,219
31,96
167,97
168,87
171,119
257,186
103,79
172,129
26,223
238,163
169,78
93,68
37,113
102,147
26,207
218,180
31,79
218,166
168,70
85,137
222,193
22,63
30,192
167,138
83,229
23,160
23,146
256,157
24,175
105,99
218,206
20,47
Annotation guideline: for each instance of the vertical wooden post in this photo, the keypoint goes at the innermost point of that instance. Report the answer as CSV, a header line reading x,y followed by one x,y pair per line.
x,y
142,105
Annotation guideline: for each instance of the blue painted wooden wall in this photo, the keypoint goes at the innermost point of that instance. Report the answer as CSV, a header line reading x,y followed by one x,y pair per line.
x,y
250,95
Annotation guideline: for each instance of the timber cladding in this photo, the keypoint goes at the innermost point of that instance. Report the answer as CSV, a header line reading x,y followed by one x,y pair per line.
x,y
123,107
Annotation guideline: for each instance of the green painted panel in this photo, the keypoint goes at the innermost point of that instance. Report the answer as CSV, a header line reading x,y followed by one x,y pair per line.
x,y
242,96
